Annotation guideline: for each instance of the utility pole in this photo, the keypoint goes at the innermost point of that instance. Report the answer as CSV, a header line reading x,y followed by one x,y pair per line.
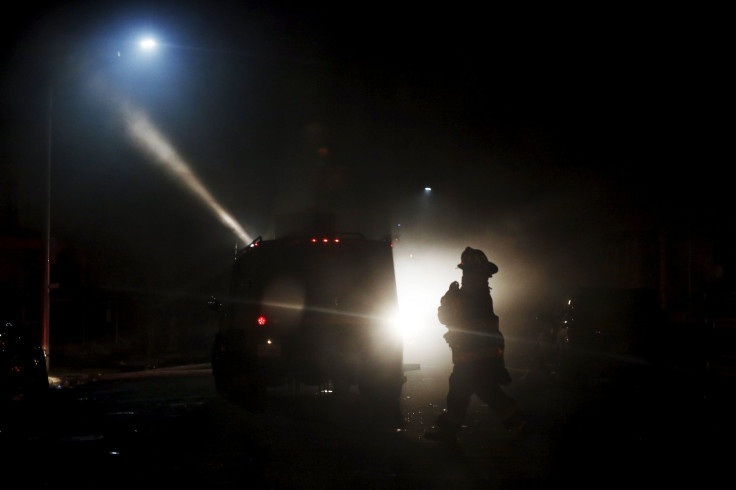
x,y
46,324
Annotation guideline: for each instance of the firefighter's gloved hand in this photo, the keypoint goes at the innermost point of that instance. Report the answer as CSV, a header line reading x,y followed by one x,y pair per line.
x,y
447,313
451,338
451,294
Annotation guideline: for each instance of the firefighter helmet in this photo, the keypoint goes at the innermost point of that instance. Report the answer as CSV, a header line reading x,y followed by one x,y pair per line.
x,y
473,259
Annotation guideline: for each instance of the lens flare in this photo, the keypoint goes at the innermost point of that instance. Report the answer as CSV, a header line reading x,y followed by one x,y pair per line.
x,y
148,44
147,136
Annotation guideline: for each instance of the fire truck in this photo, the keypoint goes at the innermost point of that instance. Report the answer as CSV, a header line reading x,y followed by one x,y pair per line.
x,y
311,308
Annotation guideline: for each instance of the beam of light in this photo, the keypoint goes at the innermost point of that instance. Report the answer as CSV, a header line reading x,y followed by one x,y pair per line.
x,y
386,318
147,136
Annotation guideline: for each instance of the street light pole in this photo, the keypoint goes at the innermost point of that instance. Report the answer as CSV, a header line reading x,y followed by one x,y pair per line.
x,y
46,324
148,44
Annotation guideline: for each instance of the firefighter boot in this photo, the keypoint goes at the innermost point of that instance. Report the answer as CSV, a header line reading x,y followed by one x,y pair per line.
x,y
517,426
444,430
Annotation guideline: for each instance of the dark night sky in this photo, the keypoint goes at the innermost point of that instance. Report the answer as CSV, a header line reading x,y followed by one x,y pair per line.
x,y
533,124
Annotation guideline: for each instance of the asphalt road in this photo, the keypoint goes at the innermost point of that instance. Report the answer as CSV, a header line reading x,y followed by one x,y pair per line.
x,y
171,428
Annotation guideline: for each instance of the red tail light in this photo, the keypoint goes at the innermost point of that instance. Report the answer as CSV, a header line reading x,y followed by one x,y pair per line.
x,y
325,240
261,320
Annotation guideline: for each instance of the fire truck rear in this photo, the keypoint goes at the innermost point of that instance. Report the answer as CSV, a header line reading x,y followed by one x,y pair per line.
x,y
311,309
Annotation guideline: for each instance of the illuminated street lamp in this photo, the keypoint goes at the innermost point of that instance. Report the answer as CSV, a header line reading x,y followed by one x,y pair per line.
x,y
147,44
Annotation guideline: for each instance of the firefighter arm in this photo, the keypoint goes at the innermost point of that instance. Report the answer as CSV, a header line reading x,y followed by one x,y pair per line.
x,y
452,337
447,313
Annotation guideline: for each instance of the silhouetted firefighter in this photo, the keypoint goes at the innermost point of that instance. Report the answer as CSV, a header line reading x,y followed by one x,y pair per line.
x,y
477,350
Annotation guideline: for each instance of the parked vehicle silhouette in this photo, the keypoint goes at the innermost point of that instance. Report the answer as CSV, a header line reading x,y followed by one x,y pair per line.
x,y
313,309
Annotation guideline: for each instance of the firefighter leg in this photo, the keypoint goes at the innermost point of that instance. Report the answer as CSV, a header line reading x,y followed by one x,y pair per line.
x,y
493,395
448,422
